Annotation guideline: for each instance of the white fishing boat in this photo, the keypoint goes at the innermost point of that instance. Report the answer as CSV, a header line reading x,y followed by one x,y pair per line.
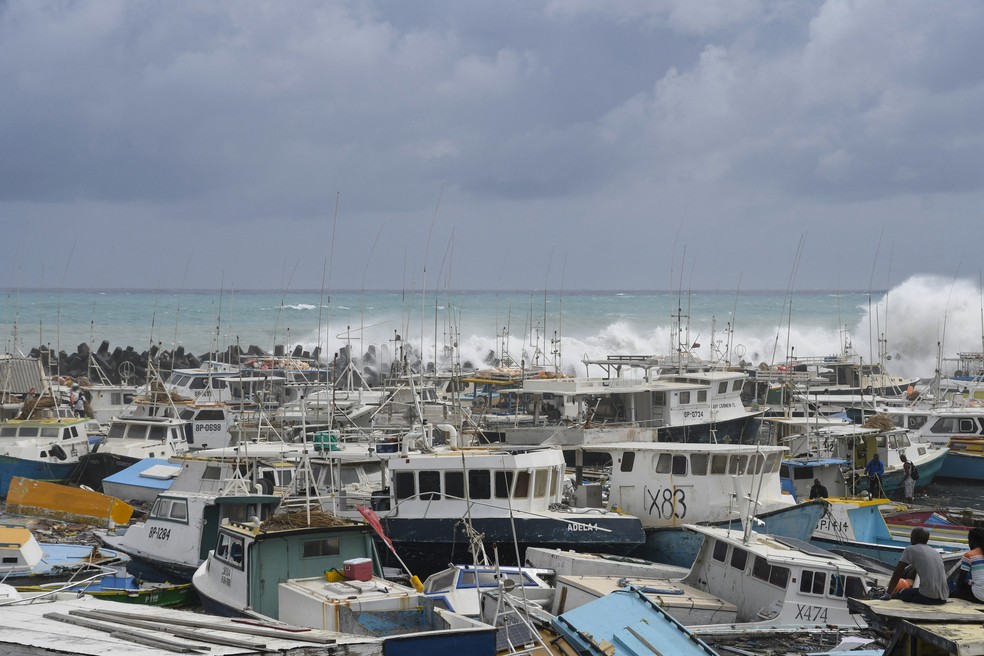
x,y
45,449
648,405
668,485
513,497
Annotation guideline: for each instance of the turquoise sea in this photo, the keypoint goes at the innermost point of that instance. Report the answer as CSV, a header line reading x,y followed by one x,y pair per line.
x,y
531,325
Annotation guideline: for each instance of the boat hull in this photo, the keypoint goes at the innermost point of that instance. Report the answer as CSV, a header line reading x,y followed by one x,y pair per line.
x,y
676,546
963,466
50,472
427,545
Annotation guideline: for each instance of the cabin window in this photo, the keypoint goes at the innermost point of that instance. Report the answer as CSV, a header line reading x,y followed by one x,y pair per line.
x,y
186,414
836,588
917,421
212,473
755,463
855,588
783,471
439,582
211,415
698,464
772,462
893,442
230,549
663,463
739,558
904,441
701,396
719,464
760,568
49,431
723,387
157,432
10,560
720,553
197,384
68,434
628,460
684,398
503,483
454,484
29,431
967,426
405,484
479,484
739,464
7,431
880,440
679,465
540,478
430,485
116,430
555,477
522,489
658,399
813,582
319,548
737,385
802,473
175,510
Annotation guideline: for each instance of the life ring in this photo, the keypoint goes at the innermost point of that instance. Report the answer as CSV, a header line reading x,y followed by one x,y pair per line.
x,y
58,452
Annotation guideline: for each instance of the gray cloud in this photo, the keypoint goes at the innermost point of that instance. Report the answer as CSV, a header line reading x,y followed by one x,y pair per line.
x,y
597,131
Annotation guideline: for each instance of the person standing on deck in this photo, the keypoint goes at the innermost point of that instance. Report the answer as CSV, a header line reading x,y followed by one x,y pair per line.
x,y
874,470
819,490
908,480
928,564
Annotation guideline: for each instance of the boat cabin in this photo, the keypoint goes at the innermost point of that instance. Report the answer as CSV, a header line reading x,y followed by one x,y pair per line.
x,y
671,484
776,580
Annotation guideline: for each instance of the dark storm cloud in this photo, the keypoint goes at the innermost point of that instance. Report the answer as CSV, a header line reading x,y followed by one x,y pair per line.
x,y
607,131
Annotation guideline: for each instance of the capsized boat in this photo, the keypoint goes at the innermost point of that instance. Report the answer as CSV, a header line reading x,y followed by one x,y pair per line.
x,y
122,587
25,561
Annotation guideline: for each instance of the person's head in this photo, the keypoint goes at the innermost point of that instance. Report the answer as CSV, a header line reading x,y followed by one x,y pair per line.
x,y
875,457
975,538
919,535
903,458
75,386
816,481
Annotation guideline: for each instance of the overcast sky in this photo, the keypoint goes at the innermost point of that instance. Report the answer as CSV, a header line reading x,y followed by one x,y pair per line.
x,y
575,144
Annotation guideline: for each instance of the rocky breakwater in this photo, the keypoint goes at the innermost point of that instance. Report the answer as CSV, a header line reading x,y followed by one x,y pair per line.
x,y
127,365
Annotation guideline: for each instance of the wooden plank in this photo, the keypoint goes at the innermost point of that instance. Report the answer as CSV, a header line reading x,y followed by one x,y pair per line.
x,y
239,628
133,636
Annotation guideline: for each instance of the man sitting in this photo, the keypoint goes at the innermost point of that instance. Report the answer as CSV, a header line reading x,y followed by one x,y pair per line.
x,y
928,565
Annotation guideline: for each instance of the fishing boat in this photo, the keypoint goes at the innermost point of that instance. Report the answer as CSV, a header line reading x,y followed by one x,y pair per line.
x,y
857,445
459,587
960,428
25,561
512,497
123,588
180,529
633,400
631,620
858,526
669,485
313,569
46,449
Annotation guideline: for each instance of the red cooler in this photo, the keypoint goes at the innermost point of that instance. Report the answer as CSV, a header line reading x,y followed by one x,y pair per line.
x,y
358,569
